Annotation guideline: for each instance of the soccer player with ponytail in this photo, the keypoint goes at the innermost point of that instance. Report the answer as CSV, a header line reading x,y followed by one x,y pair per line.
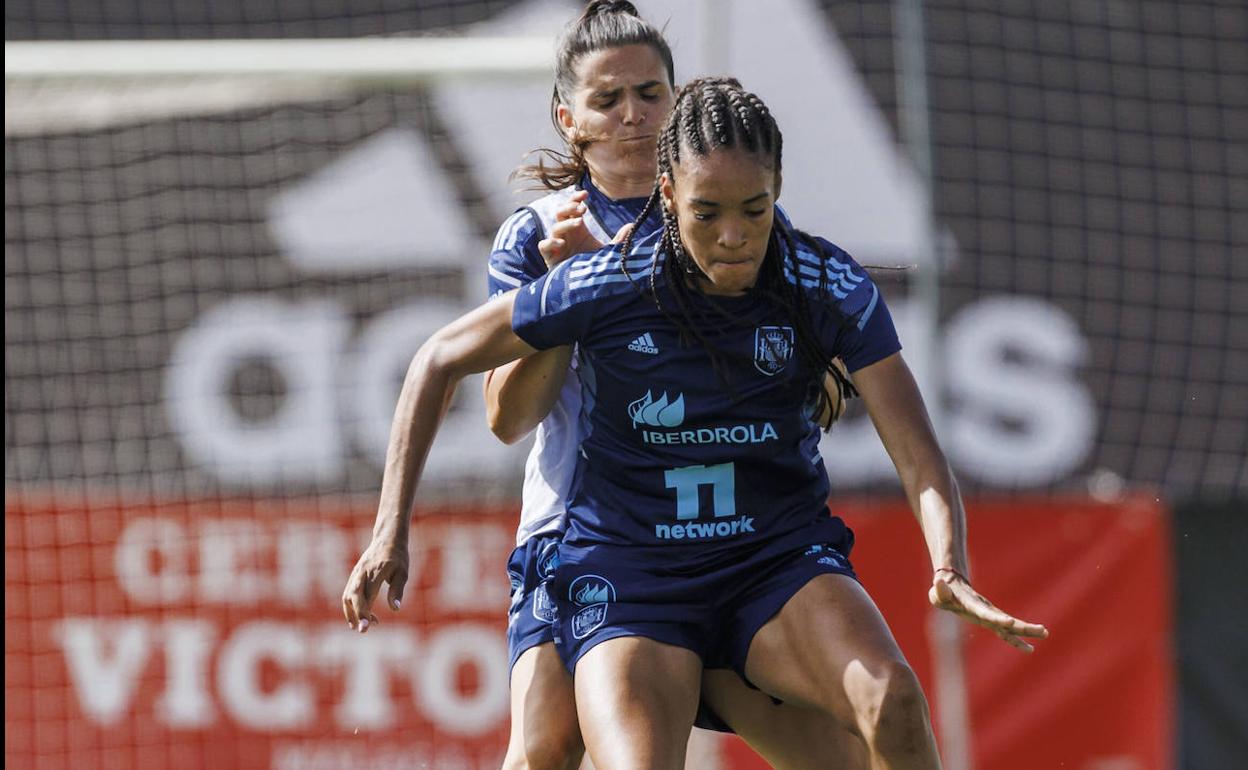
x,y
697,533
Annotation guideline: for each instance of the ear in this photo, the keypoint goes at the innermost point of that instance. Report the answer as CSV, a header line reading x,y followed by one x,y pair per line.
x,y
667,193
563,113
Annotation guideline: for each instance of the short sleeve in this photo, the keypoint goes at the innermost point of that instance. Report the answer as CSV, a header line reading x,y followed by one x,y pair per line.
x,y
551,311
857,327
514,257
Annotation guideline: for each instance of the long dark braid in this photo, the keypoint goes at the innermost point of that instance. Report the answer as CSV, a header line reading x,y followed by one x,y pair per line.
x,y
710,114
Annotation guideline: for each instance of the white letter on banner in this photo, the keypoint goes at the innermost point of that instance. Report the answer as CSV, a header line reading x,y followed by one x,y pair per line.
x,y
301,441
367,661
185,702
483,648
229,552
464,448
1021,421
312,562
104,683
289,706
142,543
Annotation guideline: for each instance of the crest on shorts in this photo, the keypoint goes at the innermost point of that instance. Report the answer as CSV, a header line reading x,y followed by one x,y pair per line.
x,y
591,589
773,347
588,619
592,594
548,560
543,605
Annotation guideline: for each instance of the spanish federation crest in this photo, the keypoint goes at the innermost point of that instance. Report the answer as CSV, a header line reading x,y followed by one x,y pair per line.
x,y
773,347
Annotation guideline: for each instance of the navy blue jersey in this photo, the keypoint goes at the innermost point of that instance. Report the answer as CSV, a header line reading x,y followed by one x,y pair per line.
x,y
674,454
514,258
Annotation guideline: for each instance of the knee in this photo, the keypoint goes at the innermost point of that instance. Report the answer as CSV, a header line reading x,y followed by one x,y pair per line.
x,y
552,746
894,707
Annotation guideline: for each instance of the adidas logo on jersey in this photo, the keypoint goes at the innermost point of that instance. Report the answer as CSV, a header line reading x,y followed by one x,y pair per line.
x,y
644,344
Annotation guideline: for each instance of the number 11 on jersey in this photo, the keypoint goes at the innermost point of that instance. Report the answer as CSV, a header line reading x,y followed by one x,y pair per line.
x,y
722,480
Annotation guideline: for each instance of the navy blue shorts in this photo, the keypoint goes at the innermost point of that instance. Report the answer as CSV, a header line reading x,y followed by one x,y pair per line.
x,y
531,614
713,606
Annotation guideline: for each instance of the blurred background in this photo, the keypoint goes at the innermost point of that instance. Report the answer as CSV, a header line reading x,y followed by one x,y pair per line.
x,y
221,253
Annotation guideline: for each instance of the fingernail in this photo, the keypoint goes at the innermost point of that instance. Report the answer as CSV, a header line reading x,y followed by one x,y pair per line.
x,y
363,626
396,604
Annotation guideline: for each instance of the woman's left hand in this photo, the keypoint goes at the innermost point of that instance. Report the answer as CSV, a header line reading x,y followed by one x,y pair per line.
x,y
952,592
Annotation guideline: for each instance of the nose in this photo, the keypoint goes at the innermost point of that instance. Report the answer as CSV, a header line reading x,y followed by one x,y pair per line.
x,y
732,236
634,112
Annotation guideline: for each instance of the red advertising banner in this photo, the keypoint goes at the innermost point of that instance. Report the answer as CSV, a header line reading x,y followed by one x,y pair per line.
x,y
209,635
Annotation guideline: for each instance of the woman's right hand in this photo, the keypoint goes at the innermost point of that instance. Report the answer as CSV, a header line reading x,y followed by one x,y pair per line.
x,y
569,235
384,561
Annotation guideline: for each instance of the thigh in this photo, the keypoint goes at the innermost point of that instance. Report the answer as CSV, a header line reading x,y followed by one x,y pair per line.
x,y
829,638
543,711
636,699
787,736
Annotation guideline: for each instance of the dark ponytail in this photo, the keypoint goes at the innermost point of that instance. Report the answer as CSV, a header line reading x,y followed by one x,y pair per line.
x,y
603,24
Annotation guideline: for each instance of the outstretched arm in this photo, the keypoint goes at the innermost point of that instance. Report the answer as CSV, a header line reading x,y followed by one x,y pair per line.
x,y
896,408
475,342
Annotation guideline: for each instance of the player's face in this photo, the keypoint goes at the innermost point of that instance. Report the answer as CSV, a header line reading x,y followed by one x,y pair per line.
x,y
724,203
621,100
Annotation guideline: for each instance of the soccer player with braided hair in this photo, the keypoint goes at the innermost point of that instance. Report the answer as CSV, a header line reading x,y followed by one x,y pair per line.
x,y
698,535
613,87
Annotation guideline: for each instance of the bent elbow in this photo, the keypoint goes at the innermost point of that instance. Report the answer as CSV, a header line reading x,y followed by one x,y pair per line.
x,y
504,430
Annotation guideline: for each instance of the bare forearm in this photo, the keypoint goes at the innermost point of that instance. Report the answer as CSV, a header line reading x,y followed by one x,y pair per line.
x,y
897,409
423,401
933,495
476,342
519,395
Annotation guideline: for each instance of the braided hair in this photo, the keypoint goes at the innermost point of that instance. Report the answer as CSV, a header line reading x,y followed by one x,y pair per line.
x,y
602,25
718,113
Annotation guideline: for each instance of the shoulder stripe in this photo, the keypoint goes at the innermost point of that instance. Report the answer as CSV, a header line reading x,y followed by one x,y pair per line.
x,y
597,267
813,258
550,278
806,258
501,277
866,314
603,279
836,281
507,233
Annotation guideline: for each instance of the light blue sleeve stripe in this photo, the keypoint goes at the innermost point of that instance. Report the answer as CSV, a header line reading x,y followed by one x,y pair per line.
x,y
809,258
809,281
845,282
834,268
866,314
551,277
599,267
506,237
585,282
502,277
501,236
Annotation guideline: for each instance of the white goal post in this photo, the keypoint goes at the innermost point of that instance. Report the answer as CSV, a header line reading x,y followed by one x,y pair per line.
x,y
94,84
368,59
